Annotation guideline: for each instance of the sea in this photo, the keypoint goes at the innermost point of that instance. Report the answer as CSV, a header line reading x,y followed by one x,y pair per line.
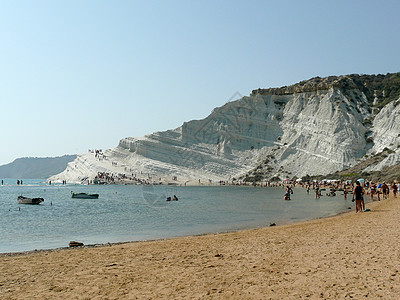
x,y
125,213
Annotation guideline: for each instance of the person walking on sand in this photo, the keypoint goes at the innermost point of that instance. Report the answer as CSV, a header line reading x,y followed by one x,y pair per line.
x,y
372,190
362,203
358,194
385,190
394,188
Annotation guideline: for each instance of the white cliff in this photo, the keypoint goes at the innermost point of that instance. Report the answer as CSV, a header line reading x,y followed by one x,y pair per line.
x,y
386,134
386,127
314,128
323,133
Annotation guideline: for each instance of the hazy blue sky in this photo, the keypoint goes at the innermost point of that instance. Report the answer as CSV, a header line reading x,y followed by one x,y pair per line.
x,y
79,75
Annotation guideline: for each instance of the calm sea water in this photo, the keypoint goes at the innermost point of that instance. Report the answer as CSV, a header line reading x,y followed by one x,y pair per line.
x,y
133,213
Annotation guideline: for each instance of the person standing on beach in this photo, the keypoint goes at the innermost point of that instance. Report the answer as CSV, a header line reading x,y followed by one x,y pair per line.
x,y
385,190
394,188
372,190
358,193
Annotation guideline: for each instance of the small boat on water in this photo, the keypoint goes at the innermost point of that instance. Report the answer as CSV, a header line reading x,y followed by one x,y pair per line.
x,y
84,195
26,200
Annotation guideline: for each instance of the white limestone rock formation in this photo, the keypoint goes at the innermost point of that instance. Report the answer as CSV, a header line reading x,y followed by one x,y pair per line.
x,y
230,141
386,127
386,134
323,133
315,127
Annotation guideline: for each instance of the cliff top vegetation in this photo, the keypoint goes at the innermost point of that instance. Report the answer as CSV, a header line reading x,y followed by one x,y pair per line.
x,y
379,89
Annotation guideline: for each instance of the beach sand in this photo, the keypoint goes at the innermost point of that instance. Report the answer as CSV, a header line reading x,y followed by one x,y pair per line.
x,y
342,257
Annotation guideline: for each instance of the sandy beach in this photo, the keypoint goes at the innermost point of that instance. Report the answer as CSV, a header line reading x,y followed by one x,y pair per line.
x,y
342,257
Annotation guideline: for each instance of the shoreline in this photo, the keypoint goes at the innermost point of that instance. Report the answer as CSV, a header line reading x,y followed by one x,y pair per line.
x,y
343,256
264,226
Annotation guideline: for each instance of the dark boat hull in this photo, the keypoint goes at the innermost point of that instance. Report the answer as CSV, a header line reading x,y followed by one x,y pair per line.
x,y
25,200
85,196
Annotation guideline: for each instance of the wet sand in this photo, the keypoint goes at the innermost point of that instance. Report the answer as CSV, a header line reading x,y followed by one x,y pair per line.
x,y
346,256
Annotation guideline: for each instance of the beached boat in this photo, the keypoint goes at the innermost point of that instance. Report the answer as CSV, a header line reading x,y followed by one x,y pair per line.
x,y
26,200
84,195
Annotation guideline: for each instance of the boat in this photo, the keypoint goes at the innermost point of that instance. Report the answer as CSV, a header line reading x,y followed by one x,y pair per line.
x,y
84,195
26,200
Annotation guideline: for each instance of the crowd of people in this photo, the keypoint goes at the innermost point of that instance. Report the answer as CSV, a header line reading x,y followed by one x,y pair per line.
x,y
120,178
98,153
358,189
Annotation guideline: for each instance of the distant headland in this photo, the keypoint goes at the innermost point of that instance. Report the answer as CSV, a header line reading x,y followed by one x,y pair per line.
x,y
35,167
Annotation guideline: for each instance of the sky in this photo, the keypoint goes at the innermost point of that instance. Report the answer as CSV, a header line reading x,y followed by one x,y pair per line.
x,y
79,75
